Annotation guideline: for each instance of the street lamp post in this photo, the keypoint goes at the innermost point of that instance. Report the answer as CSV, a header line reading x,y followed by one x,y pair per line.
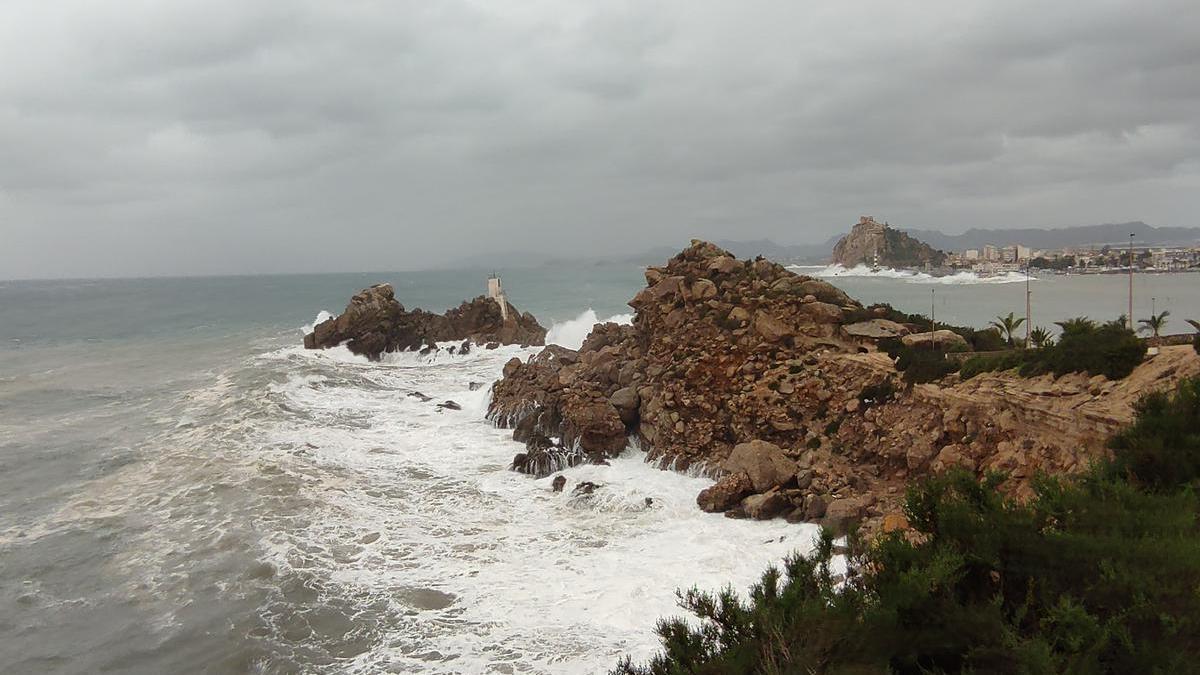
x,y
1130,281
933,319
1028,305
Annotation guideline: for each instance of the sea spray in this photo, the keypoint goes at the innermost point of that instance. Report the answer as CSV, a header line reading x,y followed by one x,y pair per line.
x,y
909,276
572,333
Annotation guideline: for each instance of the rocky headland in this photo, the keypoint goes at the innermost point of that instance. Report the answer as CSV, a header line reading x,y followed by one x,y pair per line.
x,y
772,382
870,241
374,322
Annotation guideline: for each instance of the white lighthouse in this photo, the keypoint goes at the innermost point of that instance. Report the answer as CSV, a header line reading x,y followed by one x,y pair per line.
x,y
496,292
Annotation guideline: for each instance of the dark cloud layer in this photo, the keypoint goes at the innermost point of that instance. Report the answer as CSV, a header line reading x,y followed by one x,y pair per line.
x,y
163,137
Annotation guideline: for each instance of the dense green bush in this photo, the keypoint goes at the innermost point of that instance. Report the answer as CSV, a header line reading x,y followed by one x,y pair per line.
x,y
985,364
918,365
1161,449
1092,575
1110,349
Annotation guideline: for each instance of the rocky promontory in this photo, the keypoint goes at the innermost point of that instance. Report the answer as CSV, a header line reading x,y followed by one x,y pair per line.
x,y
870,241
374,322
771,381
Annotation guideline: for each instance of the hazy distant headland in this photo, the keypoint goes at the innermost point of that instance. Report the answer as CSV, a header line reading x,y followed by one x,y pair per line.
x,y
822,252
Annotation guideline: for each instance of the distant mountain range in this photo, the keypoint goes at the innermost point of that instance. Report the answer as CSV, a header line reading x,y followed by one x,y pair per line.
x,y
1087,235
1116,234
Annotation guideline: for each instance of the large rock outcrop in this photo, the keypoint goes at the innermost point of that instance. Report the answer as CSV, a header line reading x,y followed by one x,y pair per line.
x,y
374,322
745,369
870,240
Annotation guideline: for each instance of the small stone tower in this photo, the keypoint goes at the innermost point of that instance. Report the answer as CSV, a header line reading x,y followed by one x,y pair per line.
x,y
496,292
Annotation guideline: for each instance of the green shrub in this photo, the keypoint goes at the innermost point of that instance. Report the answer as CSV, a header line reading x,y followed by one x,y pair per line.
x,y
1110,349
1092,575
986,364
1161,449
873,394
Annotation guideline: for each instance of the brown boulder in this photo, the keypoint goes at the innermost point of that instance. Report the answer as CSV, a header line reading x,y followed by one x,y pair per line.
x,y
597,427
944,339
770,328
875,329
823,312
765,506
725,493
764,463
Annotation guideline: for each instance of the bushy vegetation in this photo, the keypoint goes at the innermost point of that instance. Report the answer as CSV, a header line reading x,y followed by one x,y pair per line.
x,y
1096,574
918,364
1109,349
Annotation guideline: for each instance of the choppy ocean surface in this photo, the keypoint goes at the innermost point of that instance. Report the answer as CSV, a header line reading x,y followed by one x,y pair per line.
x,y
184,489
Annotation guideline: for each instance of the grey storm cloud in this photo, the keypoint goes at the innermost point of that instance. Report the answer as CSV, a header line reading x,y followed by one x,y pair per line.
x,y
224,136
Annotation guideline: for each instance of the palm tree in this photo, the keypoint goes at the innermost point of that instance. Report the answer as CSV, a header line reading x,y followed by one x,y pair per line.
x,y
1080,324
1040,337
1155,323
1007,325
1194,323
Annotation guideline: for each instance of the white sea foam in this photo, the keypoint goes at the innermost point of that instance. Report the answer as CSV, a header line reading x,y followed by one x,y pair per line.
x,y
909,276
532,580
572,333
322,316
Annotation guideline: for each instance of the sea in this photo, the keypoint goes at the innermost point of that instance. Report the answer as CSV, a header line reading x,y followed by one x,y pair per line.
x,y
185,489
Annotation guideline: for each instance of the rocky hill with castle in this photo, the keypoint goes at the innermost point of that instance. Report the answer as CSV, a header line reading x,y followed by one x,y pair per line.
x,y
873,243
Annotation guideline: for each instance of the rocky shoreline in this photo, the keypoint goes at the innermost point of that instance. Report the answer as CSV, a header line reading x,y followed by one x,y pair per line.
x,y
771,381
374,323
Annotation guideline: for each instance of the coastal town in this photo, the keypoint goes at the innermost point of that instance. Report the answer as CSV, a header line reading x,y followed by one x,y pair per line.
x,y
1093,259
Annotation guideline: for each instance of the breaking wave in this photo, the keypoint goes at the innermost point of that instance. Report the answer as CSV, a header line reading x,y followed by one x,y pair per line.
x,y
911,276
571,334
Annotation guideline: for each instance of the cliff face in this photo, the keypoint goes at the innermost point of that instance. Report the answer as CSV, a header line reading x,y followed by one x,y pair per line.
x,y
746,369
374,322
894,248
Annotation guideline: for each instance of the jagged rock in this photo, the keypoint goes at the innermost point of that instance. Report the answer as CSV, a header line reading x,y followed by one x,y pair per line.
x,y
596,426
586,487
944,339
725,493
558,483
419,396
823,312
770,328
764,463
374,323
449,405
626,401
511,366
544,458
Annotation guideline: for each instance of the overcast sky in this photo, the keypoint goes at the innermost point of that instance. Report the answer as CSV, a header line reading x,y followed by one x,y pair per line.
x,y
234,136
